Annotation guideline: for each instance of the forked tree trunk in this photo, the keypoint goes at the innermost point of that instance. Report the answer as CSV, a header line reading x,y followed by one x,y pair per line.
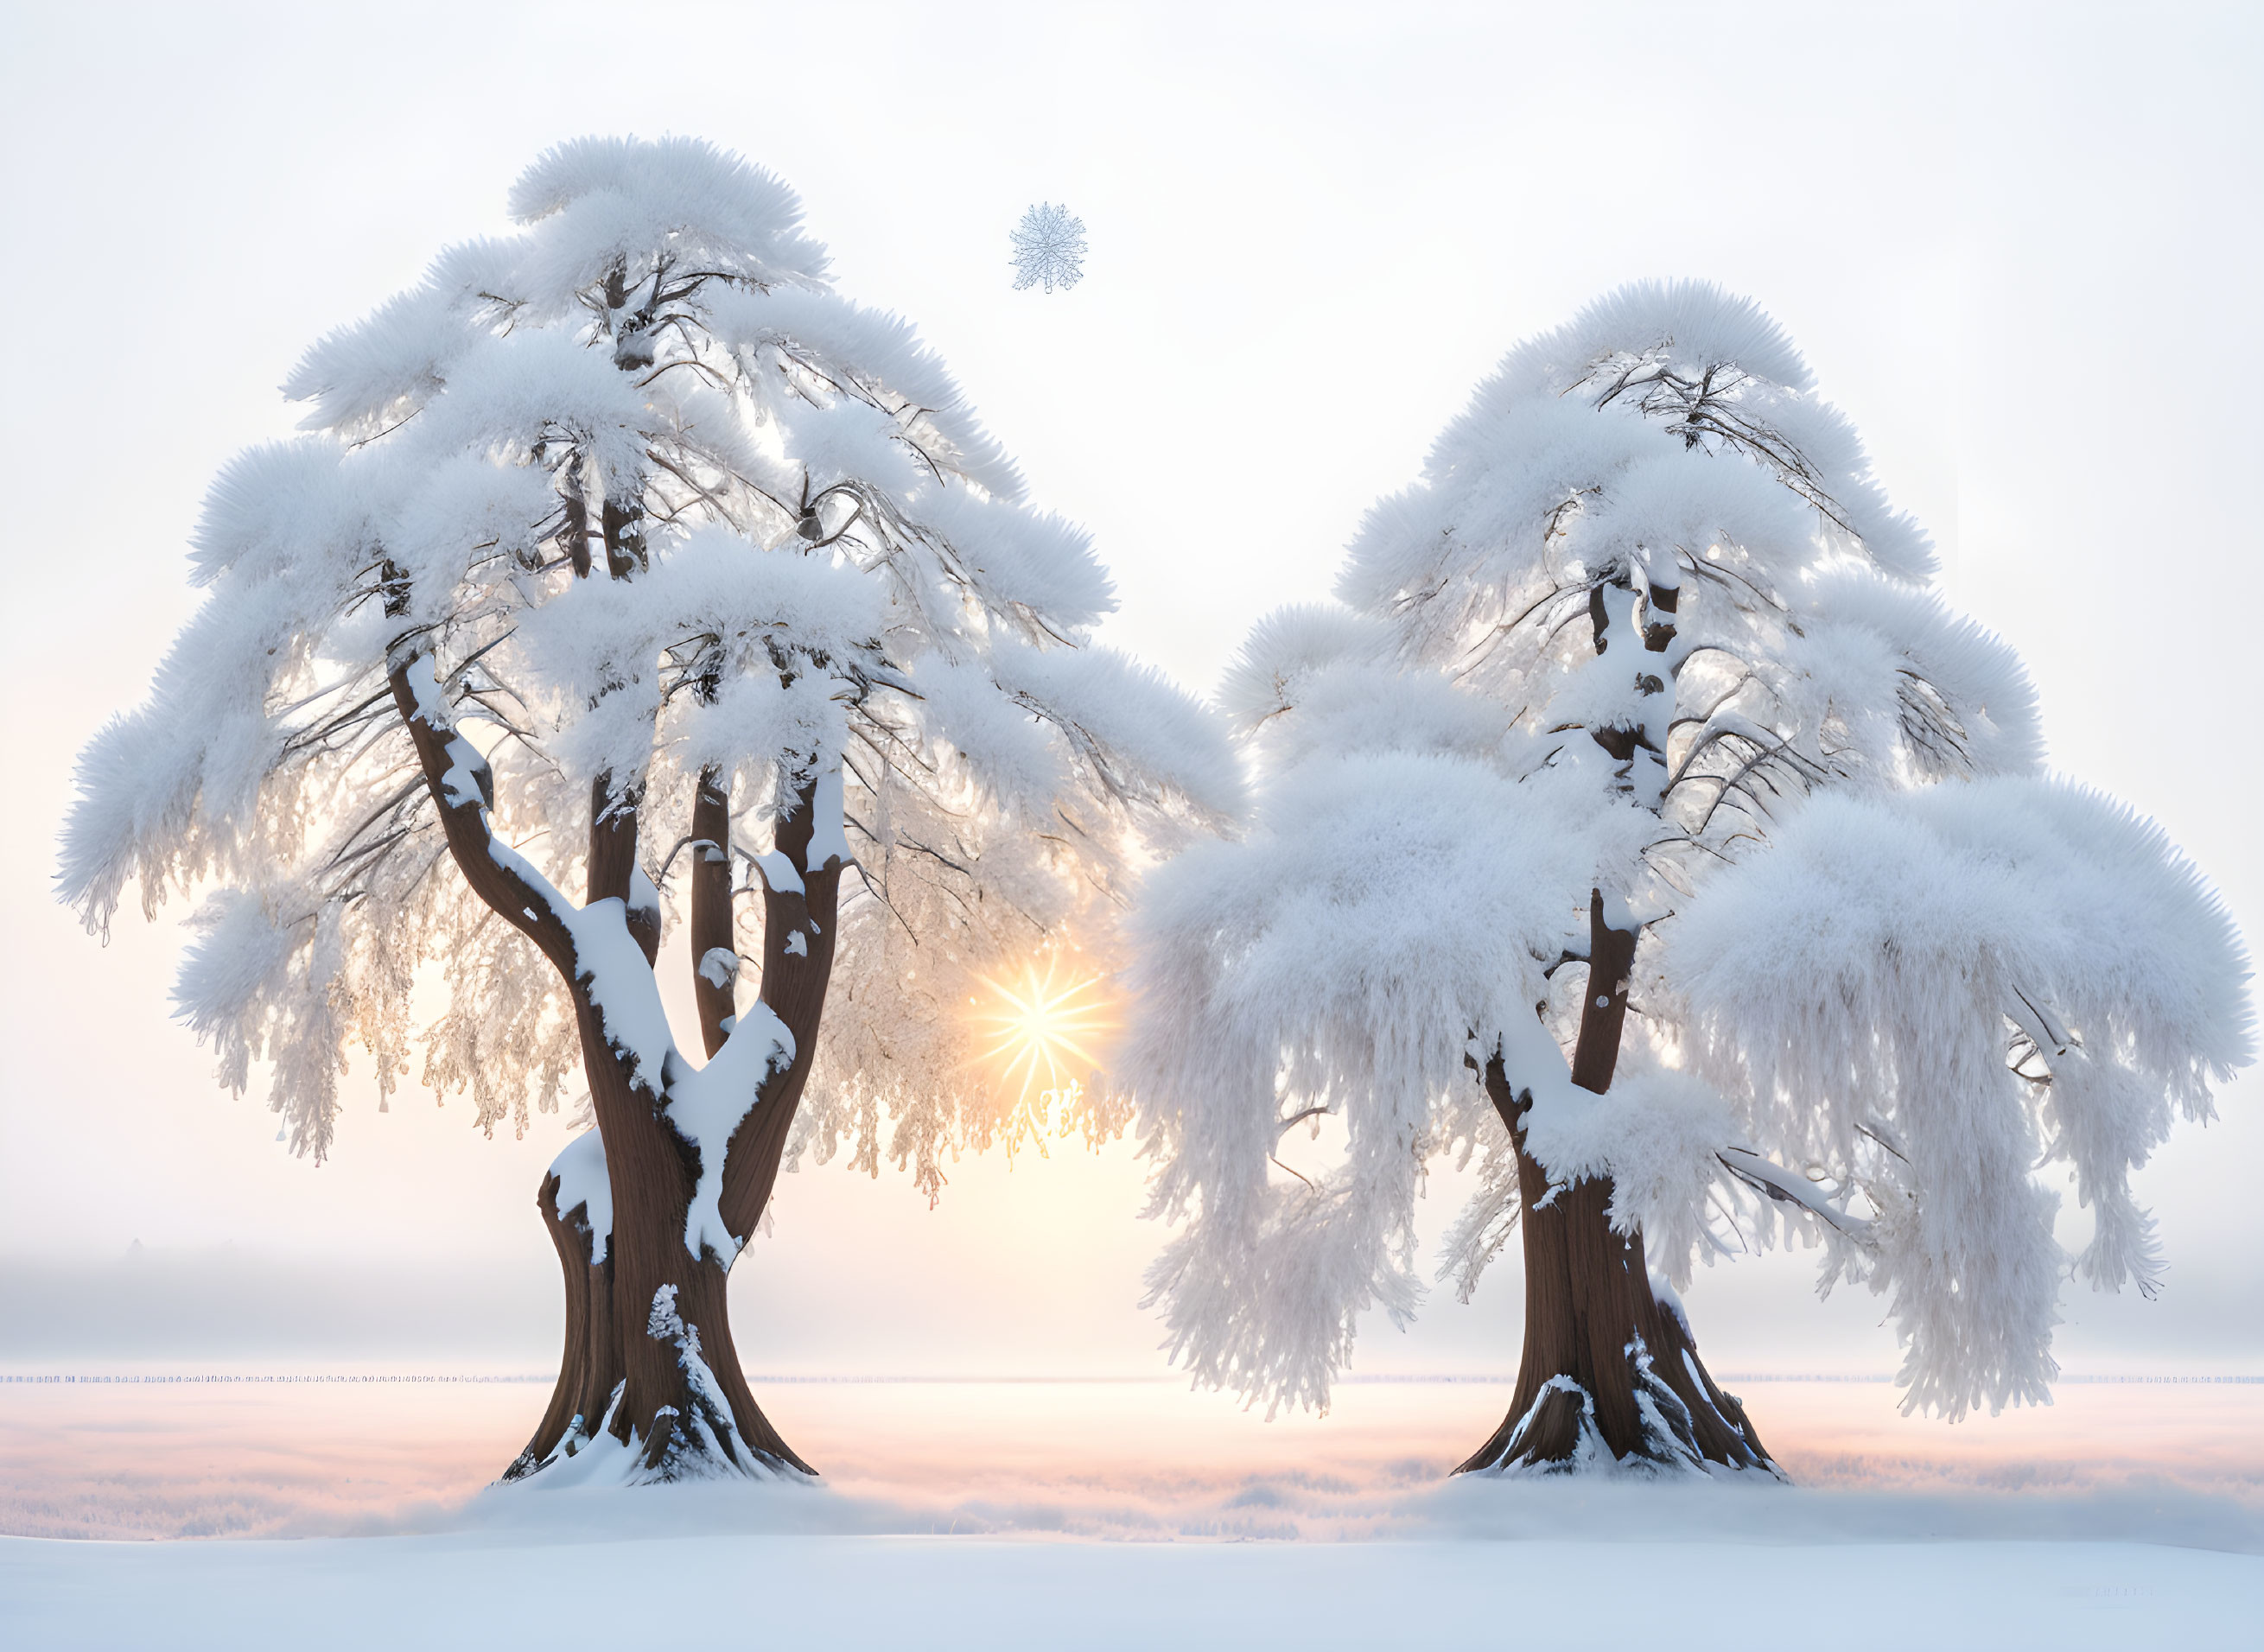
x,y
649,1361
1609,1372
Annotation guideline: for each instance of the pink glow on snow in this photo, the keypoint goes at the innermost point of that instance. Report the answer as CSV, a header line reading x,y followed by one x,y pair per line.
x,y
1101,1458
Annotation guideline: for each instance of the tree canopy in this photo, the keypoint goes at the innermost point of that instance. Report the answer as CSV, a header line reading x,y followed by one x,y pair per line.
x,y
621,550
823,566
1639,708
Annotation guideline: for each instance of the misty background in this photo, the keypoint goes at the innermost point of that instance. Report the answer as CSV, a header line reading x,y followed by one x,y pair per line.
x,y
2019,244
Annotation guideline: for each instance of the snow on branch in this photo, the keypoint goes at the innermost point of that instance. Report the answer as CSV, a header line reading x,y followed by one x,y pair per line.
x,y
1381,906
627,492
675,206
1661,1137
1861,972
1647,628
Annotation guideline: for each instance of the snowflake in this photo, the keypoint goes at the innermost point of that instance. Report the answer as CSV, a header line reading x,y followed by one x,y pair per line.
x,y
1048,247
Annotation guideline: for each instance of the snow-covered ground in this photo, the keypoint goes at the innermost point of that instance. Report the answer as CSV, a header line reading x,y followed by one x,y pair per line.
x,y
481,1591
352,1516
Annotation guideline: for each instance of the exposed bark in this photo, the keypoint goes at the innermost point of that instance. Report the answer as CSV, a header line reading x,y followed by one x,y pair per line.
x,y
625,551
800,931
613,809
648,1355
1600,1348
590,1369
463,823
711,928
573,531
617,1375
1603,1356
648,1358
614,862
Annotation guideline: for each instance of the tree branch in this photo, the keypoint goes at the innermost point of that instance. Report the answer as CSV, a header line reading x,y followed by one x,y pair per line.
x,y
462,789
711,922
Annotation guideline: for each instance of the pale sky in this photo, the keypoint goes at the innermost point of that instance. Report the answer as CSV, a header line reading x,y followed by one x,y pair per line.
x,y
2021,246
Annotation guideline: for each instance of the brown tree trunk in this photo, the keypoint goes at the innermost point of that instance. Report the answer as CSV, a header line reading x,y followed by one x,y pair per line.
x,y
590,1368
648,1359
712,929
1610,1373
800,932
647,1362
594,1397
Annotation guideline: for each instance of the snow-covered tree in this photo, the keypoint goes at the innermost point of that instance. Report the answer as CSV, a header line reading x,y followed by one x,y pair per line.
x,y
623,553
1641,776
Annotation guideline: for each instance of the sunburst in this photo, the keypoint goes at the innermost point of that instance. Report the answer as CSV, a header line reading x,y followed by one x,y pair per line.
x,y
1042,1028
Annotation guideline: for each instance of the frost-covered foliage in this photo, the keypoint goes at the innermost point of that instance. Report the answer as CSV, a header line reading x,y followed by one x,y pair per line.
x,y
629,497
1973,980
1647,653
1048,249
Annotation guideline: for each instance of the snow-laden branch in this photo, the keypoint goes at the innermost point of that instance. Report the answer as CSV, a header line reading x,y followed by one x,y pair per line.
x,y
1854,980
1782,1186
816,551
706,1107
1647,632
462,787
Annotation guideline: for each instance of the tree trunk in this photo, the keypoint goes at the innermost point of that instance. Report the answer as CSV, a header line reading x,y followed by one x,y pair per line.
x,y
648,1362
1610,1373
649,1377
1607,1367
623,1375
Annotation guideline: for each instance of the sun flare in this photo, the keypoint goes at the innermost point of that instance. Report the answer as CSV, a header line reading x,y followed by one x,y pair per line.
x,y
1042,1028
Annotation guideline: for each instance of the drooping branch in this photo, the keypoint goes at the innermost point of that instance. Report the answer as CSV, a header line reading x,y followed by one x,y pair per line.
x,y
1765,1175
1697,409
462,788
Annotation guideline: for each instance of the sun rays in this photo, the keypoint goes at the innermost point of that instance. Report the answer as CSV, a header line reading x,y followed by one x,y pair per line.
x,y
1041,1028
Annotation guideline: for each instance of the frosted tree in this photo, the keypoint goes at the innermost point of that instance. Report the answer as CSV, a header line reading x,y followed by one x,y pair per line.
x,y
1643,825
1048,249
621,553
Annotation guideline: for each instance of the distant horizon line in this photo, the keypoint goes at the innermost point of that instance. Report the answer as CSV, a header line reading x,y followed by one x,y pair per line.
x,y
101,1379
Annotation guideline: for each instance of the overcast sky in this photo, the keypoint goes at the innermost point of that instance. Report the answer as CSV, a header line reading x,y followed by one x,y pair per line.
x,y
2021,246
